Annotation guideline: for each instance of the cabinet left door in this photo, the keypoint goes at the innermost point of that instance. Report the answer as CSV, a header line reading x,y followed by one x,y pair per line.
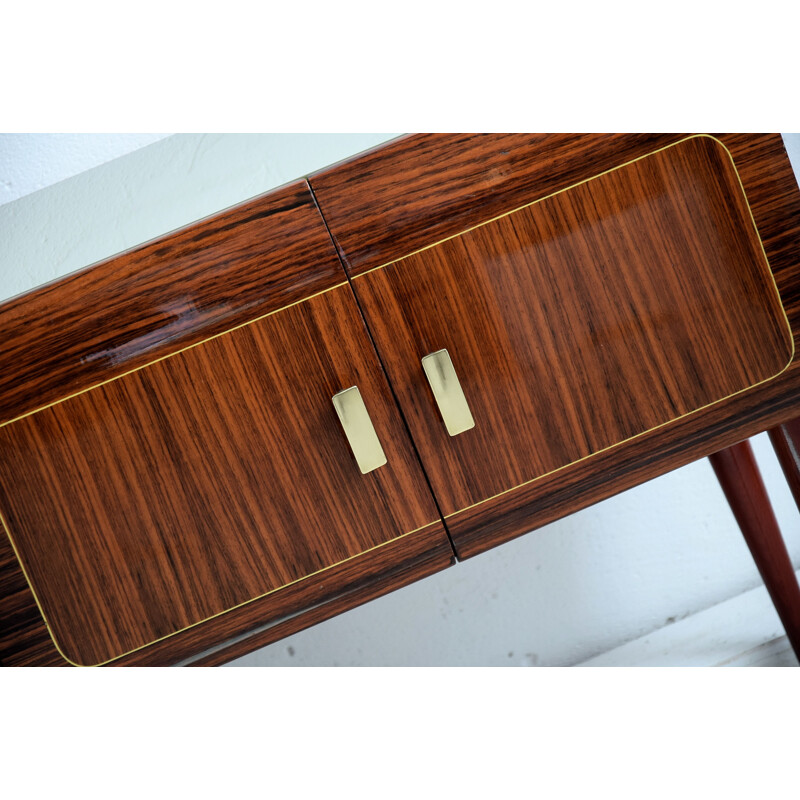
x,y
173,473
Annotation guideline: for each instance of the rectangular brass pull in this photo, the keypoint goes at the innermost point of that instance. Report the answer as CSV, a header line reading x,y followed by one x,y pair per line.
x,y
358,428
447,392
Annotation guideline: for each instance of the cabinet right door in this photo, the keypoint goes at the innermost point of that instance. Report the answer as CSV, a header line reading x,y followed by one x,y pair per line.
x,y
579,322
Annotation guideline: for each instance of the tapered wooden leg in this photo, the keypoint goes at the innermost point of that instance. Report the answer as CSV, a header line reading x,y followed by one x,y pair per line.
x,y
738,474
786,441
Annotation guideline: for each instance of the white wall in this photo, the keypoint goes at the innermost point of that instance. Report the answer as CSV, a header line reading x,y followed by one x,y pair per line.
x,y
573,589
31,161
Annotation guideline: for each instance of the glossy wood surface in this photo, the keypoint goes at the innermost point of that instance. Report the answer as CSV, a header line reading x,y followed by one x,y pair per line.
x,y
380,207
740,478
420,189
581,321
24,638
198,483
177,290
412,186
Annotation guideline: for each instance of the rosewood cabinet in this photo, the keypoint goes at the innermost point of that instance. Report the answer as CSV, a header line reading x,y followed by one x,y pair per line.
x,y
533,323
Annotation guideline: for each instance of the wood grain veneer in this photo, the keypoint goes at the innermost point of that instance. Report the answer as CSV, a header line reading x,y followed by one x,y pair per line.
x,y
160,510
416,190
196,484
582,320
480,293
105,320
381,207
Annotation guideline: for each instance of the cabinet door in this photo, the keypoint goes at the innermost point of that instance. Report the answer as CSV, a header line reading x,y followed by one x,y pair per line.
x,y
576,324
166,497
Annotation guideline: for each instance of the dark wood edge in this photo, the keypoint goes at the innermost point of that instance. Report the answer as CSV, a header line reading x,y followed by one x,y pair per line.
x,y
410,193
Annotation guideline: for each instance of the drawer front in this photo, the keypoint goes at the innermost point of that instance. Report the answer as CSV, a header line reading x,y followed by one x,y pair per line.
x,y
581,321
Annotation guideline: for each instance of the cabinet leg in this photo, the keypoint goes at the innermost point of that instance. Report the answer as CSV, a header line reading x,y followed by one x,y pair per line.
x,y
738,474
786,441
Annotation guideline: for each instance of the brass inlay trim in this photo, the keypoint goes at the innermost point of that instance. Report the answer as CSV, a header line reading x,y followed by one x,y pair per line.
x,y
674,419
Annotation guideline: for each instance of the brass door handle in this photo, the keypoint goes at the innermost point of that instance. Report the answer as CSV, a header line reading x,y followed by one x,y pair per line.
x,y
447,392
359,430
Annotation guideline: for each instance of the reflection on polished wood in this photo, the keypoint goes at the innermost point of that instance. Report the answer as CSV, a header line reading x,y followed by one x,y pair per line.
x,y
583,320
594,334
105,320
419,189
203,481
